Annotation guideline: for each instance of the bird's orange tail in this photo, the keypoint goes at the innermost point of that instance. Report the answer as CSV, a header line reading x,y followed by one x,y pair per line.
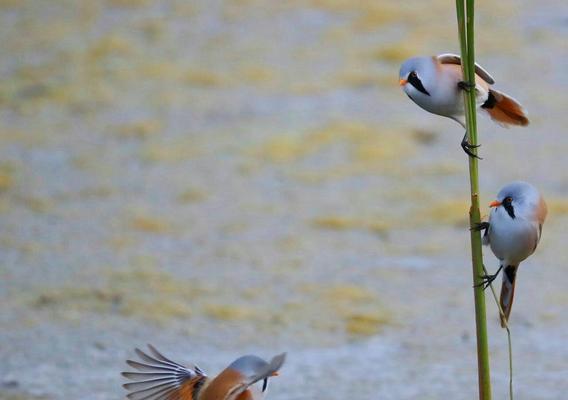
x,y
507,292
504,109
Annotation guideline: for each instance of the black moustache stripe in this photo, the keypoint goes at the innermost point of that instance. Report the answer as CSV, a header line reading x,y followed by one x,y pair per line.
x,y
414,81
509,208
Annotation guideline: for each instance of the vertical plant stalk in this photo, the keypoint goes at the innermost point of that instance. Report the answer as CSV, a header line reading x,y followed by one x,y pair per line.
x,y
466,34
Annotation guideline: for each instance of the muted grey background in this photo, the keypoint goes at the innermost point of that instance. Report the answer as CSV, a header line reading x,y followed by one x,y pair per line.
x,y
222,177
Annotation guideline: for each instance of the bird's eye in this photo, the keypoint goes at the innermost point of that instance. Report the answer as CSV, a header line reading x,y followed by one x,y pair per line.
x,y
508,199
412,74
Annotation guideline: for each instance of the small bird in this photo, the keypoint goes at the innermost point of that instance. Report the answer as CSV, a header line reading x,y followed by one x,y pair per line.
x,y
163,379
435,84
513,232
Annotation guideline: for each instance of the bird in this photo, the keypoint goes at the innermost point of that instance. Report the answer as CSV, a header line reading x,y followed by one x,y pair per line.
x,y
435,84
513,233
160,378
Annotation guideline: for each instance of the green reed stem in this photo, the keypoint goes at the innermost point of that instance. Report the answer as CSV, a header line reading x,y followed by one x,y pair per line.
x,y
466,34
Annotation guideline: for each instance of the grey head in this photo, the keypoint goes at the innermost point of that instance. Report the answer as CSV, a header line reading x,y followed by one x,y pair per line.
x,y
255,369
415,72
519,198
248,365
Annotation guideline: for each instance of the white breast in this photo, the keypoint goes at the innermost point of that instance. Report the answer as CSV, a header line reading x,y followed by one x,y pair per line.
x,y
445,99
511,240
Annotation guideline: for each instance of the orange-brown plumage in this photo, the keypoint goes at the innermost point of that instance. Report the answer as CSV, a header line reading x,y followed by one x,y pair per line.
x,y
188,389
541,211
246,395
222,385
159,378
506,110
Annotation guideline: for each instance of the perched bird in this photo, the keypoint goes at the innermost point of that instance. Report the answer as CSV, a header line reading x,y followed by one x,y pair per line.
x,y
246,378
435,84
513,232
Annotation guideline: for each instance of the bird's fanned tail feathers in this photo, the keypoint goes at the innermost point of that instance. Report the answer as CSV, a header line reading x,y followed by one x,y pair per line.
x,y
507,292
504,109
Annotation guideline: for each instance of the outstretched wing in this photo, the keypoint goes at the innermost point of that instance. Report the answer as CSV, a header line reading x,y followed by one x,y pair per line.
x,y
161,378
450,58
269,370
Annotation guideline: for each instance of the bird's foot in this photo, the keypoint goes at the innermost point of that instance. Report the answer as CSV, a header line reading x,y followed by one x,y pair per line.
x,y
466,86
487,279
467,147
482,226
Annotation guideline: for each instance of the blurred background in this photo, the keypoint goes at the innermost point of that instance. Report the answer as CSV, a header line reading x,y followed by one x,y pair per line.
x,y
223,177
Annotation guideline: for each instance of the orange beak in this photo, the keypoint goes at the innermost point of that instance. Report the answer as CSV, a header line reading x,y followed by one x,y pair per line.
x,y
402,82
275,373
495,203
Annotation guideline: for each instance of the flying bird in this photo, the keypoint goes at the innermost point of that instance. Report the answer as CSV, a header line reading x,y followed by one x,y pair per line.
x,y
160,378
435,84
513,233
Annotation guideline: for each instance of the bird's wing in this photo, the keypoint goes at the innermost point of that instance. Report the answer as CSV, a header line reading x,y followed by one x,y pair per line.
x,y
485,240
450,58
162,379
540,216
273,366
542,210
536,234
485,227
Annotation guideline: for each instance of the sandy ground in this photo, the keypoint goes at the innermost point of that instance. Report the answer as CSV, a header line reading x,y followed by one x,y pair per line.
x,y
221,177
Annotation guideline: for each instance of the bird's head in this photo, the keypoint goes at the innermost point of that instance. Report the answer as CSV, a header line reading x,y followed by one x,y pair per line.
x,y
516,198
414,73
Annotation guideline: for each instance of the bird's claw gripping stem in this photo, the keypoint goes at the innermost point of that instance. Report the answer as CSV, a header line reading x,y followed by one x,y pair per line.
x,y
481,226
487,279
466,86
467,147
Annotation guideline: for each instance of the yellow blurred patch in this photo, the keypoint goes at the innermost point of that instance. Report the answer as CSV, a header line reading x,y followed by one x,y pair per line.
x,y
557,206
446,212
6,180
39,205
203,78
128,3
142,292
351,309
340,223
349,293
396,53
257,74
110,45
139,129
169,151
229,312
11,395
366,324
369,149
192,195
150,224
11,3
